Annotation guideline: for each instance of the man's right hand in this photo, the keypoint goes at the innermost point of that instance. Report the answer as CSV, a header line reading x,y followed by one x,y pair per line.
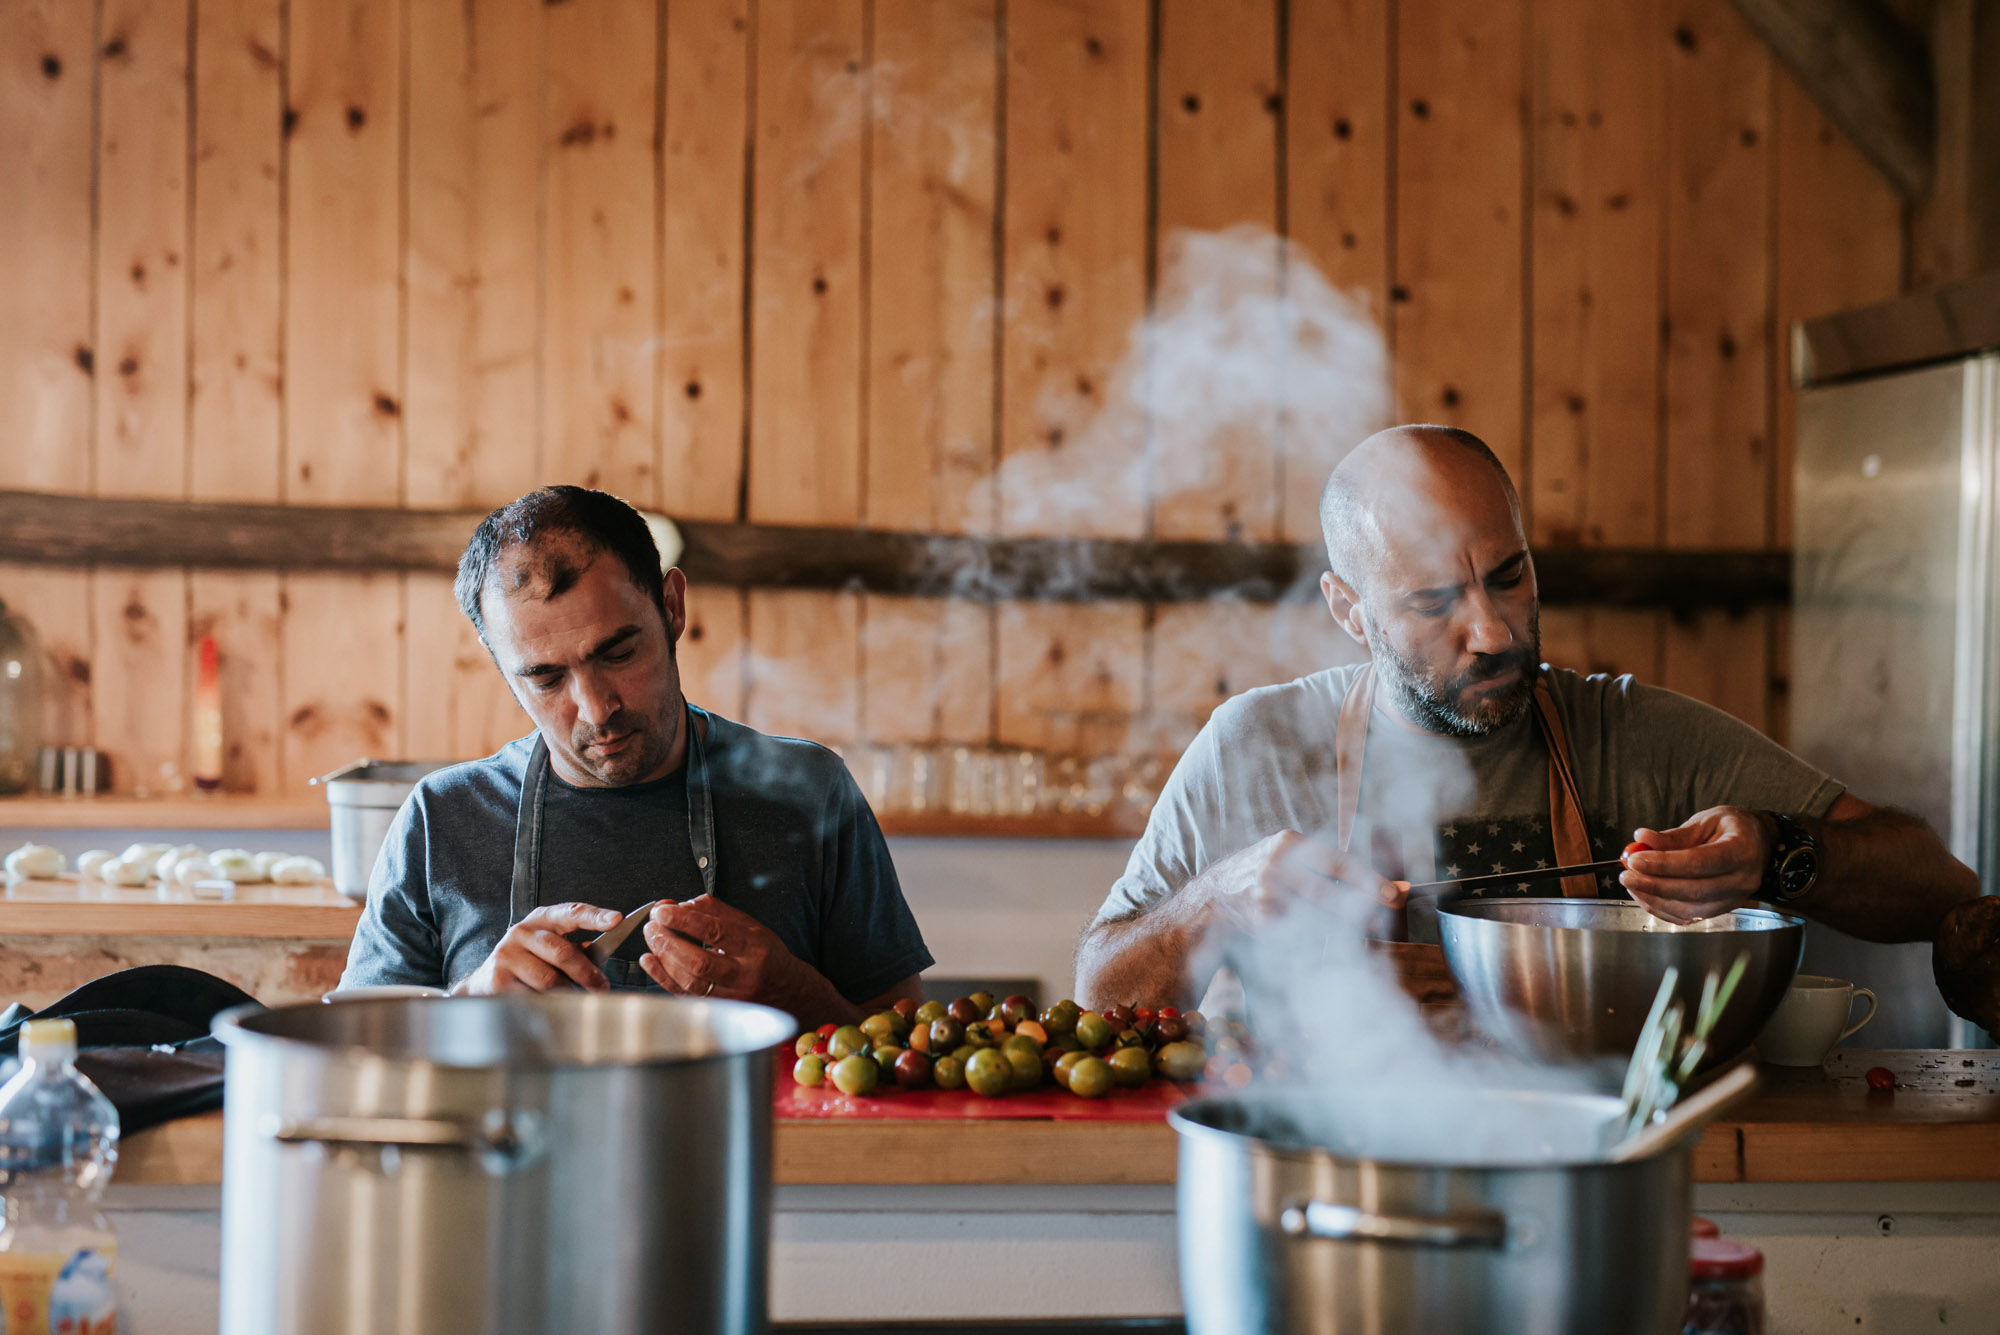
x,y
1272,873
534,957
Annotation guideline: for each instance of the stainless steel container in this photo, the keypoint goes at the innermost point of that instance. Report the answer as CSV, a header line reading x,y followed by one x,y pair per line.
x,y
1561,980
1280,1235
363,799
578,1162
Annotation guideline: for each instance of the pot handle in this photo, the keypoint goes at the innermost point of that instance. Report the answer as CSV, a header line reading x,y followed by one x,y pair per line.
x,y
1347,1223
498,1136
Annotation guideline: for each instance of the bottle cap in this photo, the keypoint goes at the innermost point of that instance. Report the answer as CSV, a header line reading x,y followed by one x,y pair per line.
x,y
48,1041
1718,1258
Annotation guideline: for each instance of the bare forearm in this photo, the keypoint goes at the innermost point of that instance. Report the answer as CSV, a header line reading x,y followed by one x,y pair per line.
x,y
1885,876
1141,960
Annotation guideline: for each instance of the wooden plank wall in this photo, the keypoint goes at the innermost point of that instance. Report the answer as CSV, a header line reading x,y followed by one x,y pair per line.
x,y
881,262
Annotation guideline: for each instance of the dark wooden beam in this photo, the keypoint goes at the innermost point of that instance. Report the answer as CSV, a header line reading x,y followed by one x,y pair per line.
x,y
1869,73
81,530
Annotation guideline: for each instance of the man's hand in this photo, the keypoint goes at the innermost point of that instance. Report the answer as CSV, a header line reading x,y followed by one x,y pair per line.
x,y
705,948
1272,873
533,956
1709,864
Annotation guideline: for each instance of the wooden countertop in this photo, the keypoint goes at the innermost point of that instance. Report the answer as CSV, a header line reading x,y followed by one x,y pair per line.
x,y
72,905
1941,1124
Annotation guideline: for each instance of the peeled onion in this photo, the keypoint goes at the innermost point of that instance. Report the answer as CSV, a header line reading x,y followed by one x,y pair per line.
x,y
189,870
297,871
36,862
164,866
266,861
237,865
126,871
89,865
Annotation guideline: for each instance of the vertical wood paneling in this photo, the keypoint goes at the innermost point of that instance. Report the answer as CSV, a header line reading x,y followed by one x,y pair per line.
x,y
1074,237
240,609
702,257
57,604
711,649
600,61
46,160
343,302
459,706
1200,655
1071,675
1594,303
474,185
1217,116
932,182
236,406
1722,659
807,296
926,670
1837,244
1337,175
142,248
1718,221
343,666
1460,145
1612,640
139,677
804,665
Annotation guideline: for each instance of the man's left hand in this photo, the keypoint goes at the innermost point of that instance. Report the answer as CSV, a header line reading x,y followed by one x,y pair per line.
x,y
705,948
1709,864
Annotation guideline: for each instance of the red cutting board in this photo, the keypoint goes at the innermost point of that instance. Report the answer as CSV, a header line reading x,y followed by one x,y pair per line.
x,y
1148,1103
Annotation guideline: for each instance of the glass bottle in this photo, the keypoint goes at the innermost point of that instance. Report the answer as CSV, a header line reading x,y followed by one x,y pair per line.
x,y
20,701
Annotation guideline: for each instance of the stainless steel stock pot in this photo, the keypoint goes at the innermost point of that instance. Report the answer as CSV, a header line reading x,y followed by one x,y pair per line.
x,y
573,1162
1278,1234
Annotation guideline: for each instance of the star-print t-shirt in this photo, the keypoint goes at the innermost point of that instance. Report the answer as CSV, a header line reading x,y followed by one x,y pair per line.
x,y
1435,807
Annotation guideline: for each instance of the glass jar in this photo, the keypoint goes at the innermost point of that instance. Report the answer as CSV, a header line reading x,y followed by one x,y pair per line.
x,y
20,701
1725,1289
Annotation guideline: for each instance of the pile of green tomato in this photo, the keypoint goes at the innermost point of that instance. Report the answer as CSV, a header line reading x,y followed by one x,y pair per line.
x,y
995,1048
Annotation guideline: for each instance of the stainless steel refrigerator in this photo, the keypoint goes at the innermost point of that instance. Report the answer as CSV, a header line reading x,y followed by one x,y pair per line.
x,y
1894,684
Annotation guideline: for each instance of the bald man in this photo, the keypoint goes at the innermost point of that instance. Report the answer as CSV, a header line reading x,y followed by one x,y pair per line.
x,y
1454,751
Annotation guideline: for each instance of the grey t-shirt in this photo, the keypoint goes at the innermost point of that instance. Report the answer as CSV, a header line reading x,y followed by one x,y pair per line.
x,y
1435,807
796,848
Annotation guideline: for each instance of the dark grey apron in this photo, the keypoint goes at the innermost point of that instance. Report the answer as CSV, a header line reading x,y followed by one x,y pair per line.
x,y
525,895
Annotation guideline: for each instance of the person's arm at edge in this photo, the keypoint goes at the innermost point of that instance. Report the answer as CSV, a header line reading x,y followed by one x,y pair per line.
x,y
397,940
1884,875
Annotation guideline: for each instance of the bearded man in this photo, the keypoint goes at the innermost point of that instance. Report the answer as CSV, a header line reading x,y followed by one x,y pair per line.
x,y
1455,751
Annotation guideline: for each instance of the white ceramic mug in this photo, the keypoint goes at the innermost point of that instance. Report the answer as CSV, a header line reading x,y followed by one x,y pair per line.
x,y
1811,1020
379,990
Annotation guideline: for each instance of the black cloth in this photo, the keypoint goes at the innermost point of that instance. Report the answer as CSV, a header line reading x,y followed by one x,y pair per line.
x,y
142,1037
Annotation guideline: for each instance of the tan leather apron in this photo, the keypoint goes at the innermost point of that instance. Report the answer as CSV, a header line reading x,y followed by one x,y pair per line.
x,y
1421,967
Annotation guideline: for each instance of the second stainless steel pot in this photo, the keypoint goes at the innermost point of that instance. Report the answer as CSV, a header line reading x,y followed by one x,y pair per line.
x,y
1279,1235
576,1162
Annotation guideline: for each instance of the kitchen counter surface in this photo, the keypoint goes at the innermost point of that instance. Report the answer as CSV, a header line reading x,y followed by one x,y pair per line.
x,y
73,905
1940,1124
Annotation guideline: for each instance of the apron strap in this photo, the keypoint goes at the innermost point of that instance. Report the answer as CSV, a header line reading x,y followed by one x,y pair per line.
x,y
1566,824
1350,748
524,893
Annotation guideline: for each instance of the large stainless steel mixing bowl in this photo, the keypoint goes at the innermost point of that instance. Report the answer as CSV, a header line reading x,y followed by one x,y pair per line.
x,y
1565,980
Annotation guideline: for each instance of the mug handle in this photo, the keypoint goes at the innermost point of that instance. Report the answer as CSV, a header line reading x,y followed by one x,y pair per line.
x,y
1859,992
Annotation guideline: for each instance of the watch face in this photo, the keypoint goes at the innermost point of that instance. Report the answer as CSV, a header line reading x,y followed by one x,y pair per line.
x,y
1796,872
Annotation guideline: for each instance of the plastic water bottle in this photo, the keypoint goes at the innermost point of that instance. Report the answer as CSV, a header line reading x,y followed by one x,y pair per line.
x,y
58,1144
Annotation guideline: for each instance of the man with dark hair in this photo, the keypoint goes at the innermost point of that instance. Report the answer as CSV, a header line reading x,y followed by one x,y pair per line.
x,y
772,879
1481,759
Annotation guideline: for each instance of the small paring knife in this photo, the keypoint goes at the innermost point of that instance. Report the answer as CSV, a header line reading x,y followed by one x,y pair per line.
x,y
601,948
1450,889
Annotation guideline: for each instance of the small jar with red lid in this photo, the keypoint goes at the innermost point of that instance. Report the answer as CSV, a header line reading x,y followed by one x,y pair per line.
x,y
1725,1289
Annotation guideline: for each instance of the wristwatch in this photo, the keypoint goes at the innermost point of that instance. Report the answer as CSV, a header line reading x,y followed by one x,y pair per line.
x,y
1794,865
